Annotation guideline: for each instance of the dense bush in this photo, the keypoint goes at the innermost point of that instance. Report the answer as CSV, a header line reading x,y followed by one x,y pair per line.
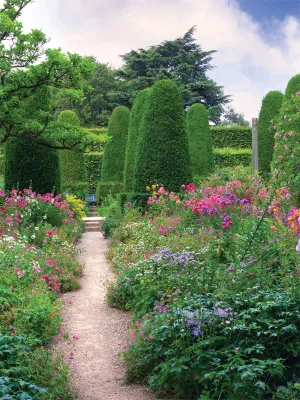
x,y
210,275
137,116
286,161
112,172
29,164
293,86
200,142
231,157
113,218
104,189
238,137
269,111
93,164
163,153
72,165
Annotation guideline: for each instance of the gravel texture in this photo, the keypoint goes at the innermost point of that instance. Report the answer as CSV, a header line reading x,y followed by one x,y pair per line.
x,y
99,371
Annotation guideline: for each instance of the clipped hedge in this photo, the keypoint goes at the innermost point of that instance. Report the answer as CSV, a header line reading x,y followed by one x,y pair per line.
x,y
163,152
200,142
269,111
226,157
112,172
29,164
72,163
293,86
93,163
103,189
236,137
135,128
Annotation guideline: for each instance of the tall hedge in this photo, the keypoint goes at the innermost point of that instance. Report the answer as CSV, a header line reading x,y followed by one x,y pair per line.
x,y
163,153
134,132
286,159
293,86
93,163
269,111
29,164
200,142
234,137
112,173
72,164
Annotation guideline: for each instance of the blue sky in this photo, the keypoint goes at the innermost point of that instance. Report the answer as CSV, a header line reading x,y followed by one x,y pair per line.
x,y
258,41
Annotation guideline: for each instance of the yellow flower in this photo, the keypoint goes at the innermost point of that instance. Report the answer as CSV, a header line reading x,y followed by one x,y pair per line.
x,y
155,192
153,187
148,188
272,227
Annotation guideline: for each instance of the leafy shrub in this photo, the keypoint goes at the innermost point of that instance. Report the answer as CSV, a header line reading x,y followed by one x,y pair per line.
x,y
237,137
269,111
163,153
200,142
286,161
77,206
93,163
29,164
72,165
134,132
113,218
114,153
231,157
105,189
293,86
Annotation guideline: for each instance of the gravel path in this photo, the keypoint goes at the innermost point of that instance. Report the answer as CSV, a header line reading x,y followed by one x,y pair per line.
x,y
99,371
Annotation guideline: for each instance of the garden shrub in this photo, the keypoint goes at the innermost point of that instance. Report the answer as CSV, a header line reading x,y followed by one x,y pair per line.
x,y
286,159
113,218
72,165
134,132
293,86
29,164
200,142
269,111
77,206
163,152
93,163
232,157
238,137
112,172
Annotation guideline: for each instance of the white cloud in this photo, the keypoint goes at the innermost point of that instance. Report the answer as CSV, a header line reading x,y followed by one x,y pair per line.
x,y
246,64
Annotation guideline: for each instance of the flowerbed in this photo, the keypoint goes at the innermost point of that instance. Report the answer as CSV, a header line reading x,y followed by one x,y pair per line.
x,y
37,263
212,277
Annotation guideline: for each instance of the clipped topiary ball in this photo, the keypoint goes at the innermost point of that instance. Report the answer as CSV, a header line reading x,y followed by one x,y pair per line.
x,y
293,86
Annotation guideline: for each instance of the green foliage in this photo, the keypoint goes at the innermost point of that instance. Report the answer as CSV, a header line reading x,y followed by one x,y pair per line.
x,y
25,101
72,164
181,60
269,111
112,173
293,86
77,206
231,118
200,142
286,159
29,164
104,189
93,163
239,137
226,157
134,133
113,218
163,153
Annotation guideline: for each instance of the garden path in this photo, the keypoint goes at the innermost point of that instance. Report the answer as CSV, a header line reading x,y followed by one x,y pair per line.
x,y
99,371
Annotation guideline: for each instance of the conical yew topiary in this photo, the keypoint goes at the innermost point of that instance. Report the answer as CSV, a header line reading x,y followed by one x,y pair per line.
x,y
112,173
72,163
286,159
269,111
293,86
134,132
163,154
200,141
29,164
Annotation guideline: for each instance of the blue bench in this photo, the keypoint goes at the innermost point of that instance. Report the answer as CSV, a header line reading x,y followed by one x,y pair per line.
x,y
91,198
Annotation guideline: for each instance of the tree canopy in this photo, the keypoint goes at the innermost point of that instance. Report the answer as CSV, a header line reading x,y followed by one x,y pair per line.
x,y
230,117
27,71
181,60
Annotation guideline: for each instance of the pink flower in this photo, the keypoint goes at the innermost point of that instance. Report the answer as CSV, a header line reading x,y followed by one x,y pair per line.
x,y
50,233
64,221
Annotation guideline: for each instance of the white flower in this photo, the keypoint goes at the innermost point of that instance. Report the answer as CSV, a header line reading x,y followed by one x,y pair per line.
x,y
36,228
44,216
298,246
32,236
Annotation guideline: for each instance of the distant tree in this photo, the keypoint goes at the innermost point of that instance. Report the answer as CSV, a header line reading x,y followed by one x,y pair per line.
x,y
200,141
181,60
269,111
25,111
163,155
231,117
